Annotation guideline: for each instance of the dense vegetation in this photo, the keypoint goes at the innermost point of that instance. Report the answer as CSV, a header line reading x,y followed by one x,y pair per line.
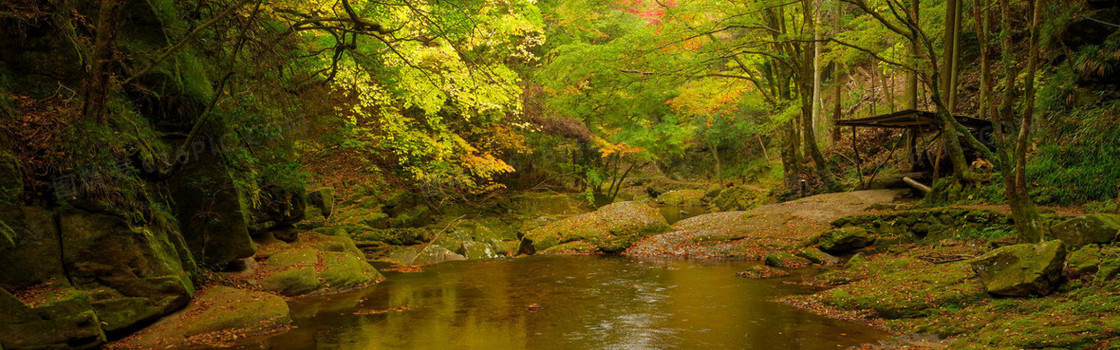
x,y
173,137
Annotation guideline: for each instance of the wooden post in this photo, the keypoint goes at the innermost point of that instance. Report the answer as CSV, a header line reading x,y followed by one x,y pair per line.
x,y
859,163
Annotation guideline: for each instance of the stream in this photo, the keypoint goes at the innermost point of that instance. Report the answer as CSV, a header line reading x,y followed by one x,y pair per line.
x,y
585,302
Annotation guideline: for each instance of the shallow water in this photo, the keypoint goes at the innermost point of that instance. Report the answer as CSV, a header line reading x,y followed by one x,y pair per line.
x,y
586,302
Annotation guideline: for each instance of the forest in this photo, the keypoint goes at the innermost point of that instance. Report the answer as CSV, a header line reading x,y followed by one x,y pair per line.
x,y
547,174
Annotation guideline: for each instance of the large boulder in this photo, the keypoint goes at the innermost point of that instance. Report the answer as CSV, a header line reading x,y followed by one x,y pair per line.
x,y
216,314
1022,269
277,208
1088,229
786,261
211,210
317,262
681,197
321,200
53,317
610,229
840,240
133,274
423,255
739,198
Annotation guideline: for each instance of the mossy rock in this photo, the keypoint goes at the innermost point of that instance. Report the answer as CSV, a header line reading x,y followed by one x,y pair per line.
x,y
117,262
476,250
786,261
343,270
845,239
856,260
681,197
1022,269
739,198
321,200
1088,229
612,228
212,211
1084,261
818,257
217,309
61,317
909,292
292,282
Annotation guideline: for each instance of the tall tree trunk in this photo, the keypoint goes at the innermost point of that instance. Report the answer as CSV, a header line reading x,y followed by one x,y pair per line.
x,y
951,55
98,85
806,87
1023,210
915,53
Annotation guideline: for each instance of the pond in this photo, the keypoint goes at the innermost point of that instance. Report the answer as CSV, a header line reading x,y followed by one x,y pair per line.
x,y
566,302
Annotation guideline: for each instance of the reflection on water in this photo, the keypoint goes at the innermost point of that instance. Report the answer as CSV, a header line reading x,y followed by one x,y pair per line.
x,y
585,303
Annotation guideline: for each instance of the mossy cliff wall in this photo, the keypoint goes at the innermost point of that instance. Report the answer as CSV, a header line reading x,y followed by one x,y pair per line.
x,y
104,227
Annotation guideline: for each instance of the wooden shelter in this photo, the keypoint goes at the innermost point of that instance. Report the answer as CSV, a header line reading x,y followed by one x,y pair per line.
x,y
916,123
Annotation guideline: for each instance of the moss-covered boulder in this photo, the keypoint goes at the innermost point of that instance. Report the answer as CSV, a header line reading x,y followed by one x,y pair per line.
x,y
1088,229
133,274
1084,261
1022,269
844,239
786,261
817,256
55,317
321,201
225,310
610,229
739,198
317,262
681,197
477,250
212,212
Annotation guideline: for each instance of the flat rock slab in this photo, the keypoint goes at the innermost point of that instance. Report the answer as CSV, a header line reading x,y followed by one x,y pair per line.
x,y
215,316
756,233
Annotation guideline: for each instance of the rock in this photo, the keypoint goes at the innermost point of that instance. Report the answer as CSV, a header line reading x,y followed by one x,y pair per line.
x,y
322,200
1084,261
739,198
277,208
423,255
840,240
817,256
415,217
1022,269
59,317
1088,229
786,261
222,309
762,271
315,263
1108,269
133,274
476,250
610,229
292,282
856,260
712,191
681,197
210,210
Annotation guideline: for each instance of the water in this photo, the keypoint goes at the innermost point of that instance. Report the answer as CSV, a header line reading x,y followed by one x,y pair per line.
x,y
585,302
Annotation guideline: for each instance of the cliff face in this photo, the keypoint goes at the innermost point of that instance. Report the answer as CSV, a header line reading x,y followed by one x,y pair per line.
x,y
105,224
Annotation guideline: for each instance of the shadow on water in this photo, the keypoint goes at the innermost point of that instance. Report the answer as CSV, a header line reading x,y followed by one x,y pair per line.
x,y
585,302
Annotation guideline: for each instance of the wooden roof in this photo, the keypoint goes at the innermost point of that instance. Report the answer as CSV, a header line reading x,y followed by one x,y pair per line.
x,y
910,119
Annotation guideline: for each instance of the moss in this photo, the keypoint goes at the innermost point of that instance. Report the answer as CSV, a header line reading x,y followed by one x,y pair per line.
x,y
218,309
612,228
911,292
295,281
1080,318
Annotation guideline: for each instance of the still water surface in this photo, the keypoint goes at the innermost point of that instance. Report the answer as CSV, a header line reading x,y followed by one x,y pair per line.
x,y
586,302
